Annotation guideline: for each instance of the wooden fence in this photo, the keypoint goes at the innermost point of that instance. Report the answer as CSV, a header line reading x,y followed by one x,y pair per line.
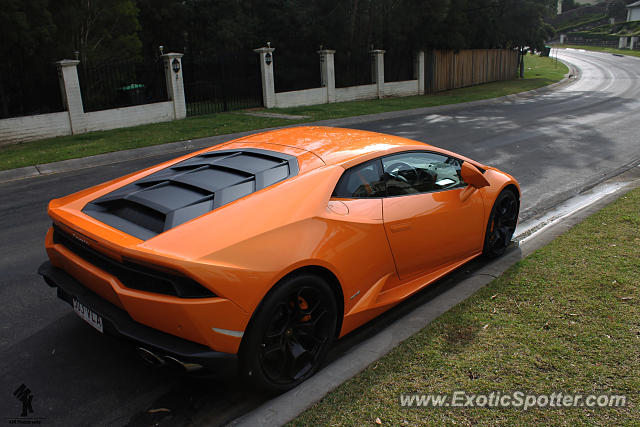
x,y
445,70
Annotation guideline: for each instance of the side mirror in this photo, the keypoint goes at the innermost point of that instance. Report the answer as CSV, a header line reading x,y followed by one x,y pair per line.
x,y
472,176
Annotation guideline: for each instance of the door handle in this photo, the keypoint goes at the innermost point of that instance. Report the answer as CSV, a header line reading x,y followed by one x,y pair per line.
x,y
403,226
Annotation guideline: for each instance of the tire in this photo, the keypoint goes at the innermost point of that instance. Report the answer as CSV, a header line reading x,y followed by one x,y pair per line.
x,y
501,224
290,334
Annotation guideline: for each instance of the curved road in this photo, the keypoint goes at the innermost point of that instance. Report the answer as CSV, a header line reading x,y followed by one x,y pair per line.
x,y
555,143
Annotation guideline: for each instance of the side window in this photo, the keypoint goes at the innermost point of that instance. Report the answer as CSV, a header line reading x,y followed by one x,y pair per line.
x,y
365,180
415,172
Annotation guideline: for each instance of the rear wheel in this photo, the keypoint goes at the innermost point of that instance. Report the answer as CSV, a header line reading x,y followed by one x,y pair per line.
x,y
501,225
290,333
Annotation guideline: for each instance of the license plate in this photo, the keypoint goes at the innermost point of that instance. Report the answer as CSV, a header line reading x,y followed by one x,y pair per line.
x,y
88,315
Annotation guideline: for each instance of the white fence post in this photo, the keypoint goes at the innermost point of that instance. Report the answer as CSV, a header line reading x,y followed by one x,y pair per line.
x,y
266,70
418,71
175,83
622,43
377,68
328,73
71,95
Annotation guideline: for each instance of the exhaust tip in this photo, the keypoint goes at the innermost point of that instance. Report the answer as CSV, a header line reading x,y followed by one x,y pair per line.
x,y
150,358
188,367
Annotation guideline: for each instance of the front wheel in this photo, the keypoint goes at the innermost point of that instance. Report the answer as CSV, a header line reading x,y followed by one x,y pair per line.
x,y
501,225
290,334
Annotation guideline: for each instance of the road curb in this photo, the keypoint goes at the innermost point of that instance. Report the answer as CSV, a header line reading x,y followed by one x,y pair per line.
x,y
288,406
19,173
190,145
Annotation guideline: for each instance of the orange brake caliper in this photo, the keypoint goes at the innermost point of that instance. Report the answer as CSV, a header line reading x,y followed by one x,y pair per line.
x,y
302,303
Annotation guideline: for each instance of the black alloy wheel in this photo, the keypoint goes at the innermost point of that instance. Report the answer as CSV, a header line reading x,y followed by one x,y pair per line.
x,y
501,225
290,334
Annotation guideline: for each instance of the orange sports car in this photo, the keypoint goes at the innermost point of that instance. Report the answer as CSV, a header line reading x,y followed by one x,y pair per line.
x,y
262,251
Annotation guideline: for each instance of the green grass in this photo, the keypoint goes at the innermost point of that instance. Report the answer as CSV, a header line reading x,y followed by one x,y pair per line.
x,y
619,29
580,22
540,72
567,318
602,49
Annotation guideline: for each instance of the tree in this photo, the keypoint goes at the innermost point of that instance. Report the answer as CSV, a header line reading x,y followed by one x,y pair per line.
x,y
163,23
617,9
569,5
99,30
38,32
521,25
26,31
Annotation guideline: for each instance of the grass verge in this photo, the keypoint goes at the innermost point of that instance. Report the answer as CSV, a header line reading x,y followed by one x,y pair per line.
x,y
566,318
611,50
539,72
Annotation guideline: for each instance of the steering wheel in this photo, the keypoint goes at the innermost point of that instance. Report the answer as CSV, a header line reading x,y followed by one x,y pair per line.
x,y
395,168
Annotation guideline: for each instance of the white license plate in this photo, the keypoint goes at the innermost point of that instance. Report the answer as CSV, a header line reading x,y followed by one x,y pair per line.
x,y
88,315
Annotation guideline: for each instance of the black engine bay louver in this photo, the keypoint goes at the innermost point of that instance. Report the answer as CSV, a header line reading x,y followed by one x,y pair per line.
x,y
188,189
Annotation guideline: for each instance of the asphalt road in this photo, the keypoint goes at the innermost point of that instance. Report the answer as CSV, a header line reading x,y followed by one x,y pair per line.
x,y
555,144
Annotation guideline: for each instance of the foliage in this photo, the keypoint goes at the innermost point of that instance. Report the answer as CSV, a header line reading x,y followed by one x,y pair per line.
x,y
575,16
26,29
591,20
613,30
617,9
524,23
569,5
102,29
99,30
35,33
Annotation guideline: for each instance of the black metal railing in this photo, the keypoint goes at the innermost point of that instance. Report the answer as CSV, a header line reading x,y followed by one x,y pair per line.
x,y
398,66
353,68
296,71
118,84
28,91
224,82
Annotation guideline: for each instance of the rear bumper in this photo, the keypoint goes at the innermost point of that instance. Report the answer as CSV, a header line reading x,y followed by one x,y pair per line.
x,y
118,323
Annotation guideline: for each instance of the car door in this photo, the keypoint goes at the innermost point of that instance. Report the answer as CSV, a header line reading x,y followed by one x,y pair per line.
x,y
430,219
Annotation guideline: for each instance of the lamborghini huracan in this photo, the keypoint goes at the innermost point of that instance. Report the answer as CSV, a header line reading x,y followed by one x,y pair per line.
x,y
260,252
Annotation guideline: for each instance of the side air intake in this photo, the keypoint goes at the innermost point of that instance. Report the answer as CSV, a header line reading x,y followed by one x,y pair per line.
x,y
188,189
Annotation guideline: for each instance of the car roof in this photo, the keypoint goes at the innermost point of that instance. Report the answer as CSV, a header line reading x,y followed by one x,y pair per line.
x,y
336,145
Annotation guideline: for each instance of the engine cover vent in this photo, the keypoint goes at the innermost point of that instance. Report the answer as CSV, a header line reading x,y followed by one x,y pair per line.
x,y
188,189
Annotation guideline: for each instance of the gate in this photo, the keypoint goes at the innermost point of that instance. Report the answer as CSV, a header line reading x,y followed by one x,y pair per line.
x,y
225,82
124,83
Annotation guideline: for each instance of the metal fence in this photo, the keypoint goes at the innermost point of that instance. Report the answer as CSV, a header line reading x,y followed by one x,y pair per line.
x,y
353,68
225,82
296,71
29,91
399,65
117,84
